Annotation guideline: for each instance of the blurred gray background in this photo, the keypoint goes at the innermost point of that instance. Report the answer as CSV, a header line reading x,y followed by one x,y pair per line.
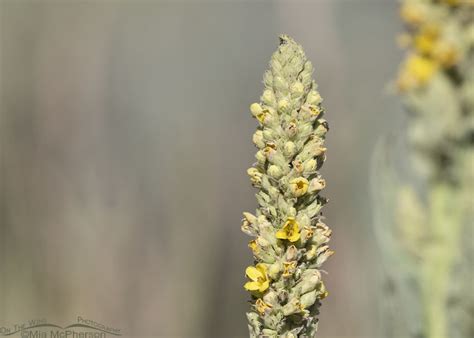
x,y
125,139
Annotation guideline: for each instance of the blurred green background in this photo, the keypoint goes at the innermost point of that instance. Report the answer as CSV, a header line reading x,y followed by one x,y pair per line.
x,y
125,139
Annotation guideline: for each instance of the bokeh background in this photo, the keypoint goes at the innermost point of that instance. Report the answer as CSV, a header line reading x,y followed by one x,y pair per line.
x,y
125,139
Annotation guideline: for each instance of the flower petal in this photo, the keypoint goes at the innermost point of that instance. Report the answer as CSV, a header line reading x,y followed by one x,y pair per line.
x,y
252,286
281,234
293,238
264,286
263,269
253,273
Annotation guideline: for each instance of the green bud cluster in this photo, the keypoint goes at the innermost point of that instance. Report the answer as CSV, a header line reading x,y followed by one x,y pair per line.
x,y
290,239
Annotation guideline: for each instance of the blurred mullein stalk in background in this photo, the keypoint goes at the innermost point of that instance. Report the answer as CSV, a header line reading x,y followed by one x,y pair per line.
x,y
430,265
290,239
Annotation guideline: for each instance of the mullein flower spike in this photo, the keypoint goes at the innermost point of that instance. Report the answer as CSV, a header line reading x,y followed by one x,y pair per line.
x,y
437,83
290,240
431,260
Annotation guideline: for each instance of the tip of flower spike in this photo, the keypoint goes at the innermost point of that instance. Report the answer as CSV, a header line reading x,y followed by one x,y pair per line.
x,y
284,39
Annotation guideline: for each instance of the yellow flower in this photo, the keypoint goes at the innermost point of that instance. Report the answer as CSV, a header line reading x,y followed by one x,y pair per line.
x,y
255,176
263,115
309,232
270,149
416,71
446,54
314,110
299,186
421,68
258,276
412,14
289,268
323,292
424,43
261,306
254,246
426,40
290,230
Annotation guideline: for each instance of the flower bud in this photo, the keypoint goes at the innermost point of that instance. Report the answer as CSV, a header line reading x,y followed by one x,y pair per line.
x,y
262,306
268,97
309,280
305,128
269,150
297,166
253,320
266,232
313,209
274,171
320,151
308,299
291,253
303,220
291,212
268,79
269,332
255,109
292,307
268,134
310,165
278,159
249,228
275,65
260,156
289,149
323,234
262,242
255,176
280,84
316,184
271,298
258,139
311,110
313,98
283,296
305,76
283,106
320,131
291,129
311,253
249,217
266,117
297,89
265,256
273,192
323,253
274,270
